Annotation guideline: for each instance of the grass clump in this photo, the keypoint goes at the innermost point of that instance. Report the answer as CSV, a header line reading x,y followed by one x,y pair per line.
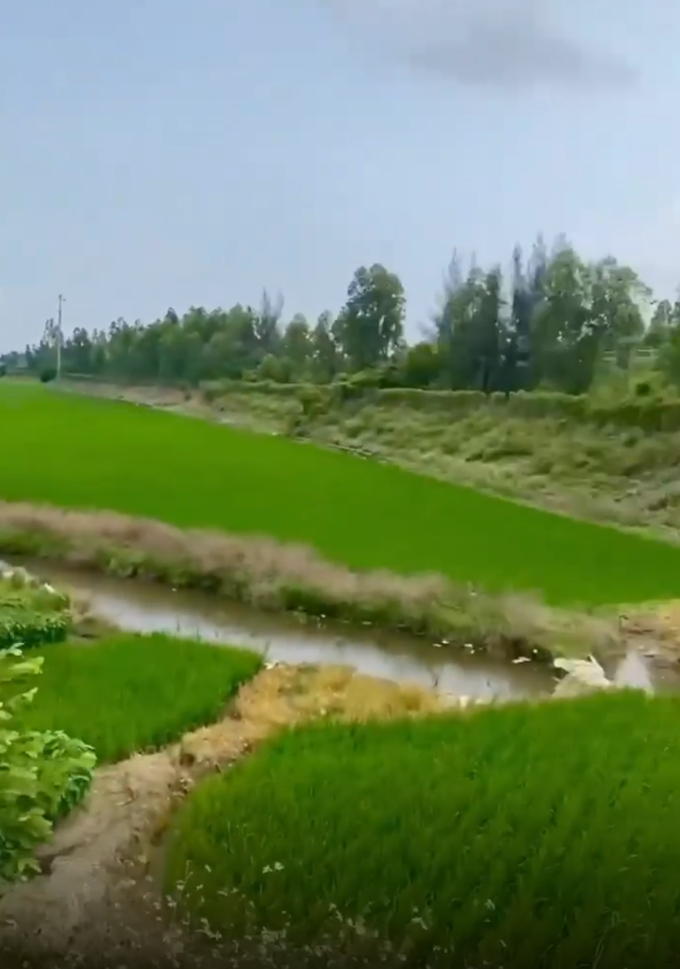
x,y
526,835
361,513
129,693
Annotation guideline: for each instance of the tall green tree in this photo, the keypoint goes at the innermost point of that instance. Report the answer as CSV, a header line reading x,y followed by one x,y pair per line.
x,y
371,323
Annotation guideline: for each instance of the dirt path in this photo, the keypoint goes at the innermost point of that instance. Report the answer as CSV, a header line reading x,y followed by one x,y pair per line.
x,y
97,892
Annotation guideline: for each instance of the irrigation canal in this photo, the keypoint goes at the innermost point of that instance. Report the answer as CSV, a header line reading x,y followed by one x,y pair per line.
x,y
144,607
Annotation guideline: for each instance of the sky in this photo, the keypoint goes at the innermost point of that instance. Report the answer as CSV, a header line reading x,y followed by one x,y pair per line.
x,y
161,153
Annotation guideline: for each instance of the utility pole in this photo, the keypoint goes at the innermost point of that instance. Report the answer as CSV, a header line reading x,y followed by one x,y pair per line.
x,y
62,299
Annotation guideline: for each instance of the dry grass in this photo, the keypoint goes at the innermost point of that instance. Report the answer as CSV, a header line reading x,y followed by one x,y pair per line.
x,y
286,695
274,576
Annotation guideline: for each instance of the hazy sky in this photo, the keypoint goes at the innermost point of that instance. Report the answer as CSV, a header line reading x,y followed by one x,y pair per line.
x,y
161,153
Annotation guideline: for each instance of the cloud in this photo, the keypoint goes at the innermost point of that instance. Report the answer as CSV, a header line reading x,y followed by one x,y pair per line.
x,y
508,43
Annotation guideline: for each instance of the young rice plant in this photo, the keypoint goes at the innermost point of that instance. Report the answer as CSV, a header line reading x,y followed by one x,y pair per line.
x,y
528,835
366,515
129,693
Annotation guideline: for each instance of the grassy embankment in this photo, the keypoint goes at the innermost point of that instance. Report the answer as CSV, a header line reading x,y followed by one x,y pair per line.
x,y
612,462
528,835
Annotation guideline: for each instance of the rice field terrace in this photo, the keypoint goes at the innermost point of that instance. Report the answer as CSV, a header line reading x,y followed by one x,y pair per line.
x,y
79,452
528,835
539,834
131,693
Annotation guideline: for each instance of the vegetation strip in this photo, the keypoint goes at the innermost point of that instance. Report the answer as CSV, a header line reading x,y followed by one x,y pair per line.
x,y
395,829
274,576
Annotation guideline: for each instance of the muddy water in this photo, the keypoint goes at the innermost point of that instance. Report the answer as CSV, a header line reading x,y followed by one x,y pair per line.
x,y
143,607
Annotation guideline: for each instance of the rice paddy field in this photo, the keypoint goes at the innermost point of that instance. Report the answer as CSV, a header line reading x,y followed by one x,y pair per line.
x,y
529,835
130,693
74,451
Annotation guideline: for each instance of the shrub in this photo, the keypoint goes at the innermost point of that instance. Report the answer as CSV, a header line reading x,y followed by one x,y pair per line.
x,y
31,613
43,775
22,624
642,388
47,375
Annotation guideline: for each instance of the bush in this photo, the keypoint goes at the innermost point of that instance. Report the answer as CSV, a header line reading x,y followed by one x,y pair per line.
x,y
31,613
47,375
43,775
21,624
3,370
642,388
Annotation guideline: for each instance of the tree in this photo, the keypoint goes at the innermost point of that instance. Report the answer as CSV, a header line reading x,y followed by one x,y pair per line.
x,y
421,366
664,317
371,323
266,323
325,353
471,333
564,340
296,344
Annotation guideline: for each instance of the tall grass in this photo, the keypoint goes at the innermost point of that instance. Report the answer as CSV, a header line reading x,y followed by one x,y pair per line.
x,y
521,836
79,452
130,693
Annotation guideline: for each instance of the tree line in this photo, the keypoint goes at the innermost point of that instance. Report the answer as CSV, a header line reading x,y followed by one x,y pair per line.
x,y
546,322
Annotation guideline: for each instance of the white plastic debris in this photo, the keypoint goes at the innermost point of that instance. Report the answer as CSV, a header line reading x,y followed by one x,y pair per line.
x,y
583,676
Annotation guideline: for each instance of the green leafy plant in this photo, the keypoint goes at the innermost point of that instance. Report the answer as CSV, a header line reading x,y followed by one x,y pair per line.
x,y
32,628
43,774
31,612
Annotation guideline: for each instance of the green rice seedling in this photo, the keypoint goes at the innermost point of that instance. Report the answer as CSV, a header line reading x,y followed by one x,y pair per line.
x,y
130,693
527,835
84,452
